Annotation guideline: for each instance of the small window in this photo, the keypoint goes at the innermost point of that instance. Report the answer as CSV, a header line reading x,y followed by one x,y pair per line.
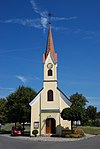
x,y
50,95
49,72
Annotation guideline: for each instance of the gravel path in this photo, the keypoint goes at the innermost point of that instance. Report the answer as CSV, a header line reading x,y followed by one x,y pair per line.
x,y
50,139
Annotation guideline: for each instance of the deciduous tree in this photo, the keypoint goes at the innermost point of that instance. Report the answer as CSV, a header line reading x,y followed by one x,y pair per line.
x,y
3,117
77,110
18,104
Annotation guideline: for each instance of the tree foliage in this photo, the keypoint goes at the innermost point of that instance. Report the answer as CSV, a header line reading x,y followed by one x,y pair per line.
x,y
98,115
77,110
2,110
91,112
78,106
18,104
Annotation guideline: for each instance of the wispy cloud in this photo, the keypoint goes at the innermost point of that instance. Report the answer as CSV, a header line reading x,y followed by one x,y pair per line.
x,y
43,14
64,18
36,78
25,22
2,96
6,88
91,35
34,6
6,91
91,97
21,78
41,22
87,34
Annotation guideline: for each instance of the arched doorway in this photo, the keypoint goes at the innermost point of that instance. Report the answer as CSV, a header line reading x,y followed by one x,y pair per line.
x,y
50,126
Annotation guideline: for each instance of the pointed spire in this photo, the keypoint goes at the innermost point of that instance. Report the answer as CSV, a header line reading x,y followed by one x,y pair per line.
x,y
50,46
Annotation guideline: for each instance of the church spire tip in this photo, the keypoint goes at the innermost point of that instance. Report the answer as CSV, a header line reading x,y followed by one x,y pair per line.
x,y
50,46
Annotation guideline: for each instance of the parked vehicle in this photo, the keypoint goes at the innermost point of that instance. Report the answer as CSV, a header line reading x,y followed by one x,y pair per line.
x,y
16,131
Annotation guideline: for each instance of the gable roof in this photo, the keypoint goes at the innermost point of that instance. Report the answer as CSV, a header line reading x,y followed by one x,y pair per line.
x,y
64,97
36,98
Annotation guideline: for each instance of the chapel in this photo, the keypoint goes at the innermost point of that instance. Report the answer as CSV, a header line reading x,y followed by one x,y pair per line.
x,y
50,100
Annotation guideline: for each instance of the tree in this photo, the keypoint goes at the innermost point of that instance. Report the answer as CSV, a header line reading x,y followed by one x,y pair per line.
x,y
78,100
18,104
77,110
78,105
98,115
67,114
3,117
91,112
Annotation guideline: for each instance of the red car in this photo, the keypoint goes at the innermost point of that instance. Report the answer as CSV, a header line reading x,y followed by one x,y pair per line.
x,y
16,131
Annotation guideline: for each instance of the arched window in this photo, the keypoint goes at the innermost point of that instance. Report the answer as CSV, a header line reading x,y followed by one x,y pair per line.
x,y
50,95
49,72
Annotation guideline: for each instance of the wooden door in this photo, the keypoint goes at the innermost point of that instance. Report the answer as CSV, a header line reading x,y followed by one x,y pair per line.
x,y
50,126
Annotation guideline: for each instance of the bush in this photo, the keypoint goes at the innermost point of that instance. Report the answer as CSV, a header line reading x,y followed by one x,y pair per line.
x,y
96,123
73,136
79,131
35,132
67,136
66,131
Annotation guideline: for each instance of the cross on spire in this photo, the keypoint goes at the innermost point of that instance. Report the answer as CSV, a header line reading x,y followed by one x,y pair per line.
x,y
49,16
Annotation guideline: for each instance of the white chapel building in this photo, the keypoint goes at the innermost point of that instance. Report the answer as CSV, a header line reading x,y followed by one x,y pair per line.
x,y
50,101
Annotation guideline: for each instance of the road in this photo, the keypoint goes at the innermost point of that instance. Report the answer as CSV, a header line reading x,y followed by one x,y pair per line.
x,y
17,143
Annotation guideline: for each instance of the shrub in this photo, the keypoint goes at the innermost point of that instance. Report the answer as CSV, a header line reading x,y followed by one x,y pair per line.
x,y
96,123
73,136
79,131
35,132
67,136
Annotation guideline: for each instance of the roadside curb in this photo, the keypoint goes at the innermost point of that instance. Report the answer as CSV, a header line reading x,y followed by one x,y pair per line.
x,y
48,139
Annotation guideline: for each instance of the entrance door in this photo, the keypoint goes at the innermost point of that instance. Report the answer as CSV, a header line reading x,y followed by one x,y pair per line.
x,y
50,126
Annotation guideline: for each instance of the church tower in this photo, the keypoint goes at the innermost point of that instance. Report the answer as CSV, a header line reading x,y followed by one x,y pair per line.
x,y
50,59
50,100
50,64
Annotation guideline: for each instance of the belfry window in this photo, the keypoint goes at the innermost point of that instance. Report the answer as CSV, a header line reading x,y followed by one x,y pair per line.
x,y
50,95
49,72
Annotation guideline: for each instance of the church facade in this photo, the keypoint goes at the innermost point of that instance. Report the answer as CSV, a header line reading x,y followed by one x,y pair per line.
x,y
50,101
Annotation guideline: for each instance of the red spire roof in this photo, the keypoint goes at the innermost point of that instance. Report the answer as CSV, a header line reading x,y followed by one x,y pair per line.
x,y
50,47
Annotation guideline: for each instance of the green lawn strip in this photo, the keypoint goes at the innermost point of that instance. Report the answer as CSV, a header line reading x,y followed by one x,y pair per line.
x,y
91,130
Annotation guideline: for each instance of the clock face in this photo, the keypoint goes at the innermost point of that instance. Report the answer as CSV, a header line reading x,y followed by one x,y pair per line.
x,y
49,65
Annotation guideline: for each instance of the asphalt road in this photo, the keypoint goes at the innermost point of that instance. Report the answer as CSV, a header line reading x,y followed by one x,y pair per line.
x,y
13,143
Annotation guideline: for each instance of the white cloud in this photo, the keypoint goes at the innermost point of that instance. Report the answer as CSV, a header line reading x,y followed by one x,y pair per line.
x,y
63,18
34,6
21,78
25,22
92,98
89,34
6,88
36,78
41,22
43,14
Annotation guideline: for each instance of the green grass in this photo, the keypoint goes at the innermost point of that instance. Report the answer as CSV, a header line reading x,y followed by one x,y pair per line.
x,y
87,129
91,130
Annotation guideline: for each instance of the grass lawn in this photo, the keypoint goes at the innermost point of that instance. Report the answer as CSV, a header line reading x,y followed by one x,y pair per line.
x,y
91,130
87,129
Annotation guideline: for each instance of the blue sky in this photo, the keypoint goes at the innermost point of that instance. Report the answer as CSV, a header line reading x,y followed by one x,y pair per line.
x,y
76,35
